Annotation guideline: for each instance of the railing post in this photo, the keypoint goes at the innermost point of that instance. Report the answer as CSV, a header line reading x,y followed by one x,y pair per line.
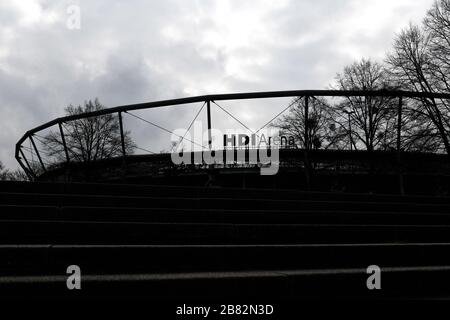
x,y
208,110
122,135
37,153
63,139
399,145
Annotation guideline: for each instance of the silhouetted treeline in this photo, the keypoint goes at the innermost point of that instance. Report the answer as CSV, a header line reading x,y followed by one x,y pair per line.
x,y
419,61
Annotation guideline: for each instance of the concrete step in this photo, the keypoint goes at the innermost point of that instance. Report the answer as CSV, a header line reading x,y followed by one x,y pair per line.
x,y
64,232
164,215
205,192
214,203
266,285
137,259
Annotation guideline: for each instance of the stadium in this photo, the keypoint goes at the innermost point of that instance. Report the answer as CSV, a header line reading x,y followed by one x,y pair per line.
x,y
141,226
341,169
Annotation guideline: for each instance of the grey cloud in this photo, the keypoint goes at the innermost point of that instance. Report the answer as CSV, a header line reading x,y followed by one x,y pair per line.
x,y
135,51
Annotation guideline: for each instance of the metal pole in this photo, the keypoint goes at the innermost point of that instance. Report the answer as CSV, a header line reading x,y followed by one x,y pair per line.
x,y
29,171
350,131
399,124
37,153
208,109
399,147
22,165
307,165
306,122
122,135
63,139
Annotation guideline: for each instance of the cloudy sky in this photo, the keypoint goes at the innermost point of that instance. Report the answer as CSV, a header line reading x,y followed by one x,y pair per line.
x,y
143,50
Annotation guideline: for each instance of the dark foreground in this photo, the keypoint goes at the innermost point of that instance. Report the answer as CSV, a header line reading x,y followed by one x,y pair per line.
x,y
204,245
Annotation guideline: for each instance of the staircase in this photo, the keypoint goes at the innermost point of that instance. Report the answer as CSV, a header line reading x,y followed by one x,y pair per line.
x,y
157,242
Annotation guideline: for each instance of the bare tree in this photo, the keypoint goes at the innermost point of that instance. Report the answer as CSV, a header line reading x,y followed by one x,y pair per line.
x,y
437,27
416,63
321,132
89,139
371,118
418,133
16,175
3,172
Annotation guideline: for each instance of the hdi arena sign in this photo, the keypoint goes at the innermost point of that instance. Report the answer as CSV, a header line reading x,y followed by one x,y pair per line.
x,y
260,148
257,141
